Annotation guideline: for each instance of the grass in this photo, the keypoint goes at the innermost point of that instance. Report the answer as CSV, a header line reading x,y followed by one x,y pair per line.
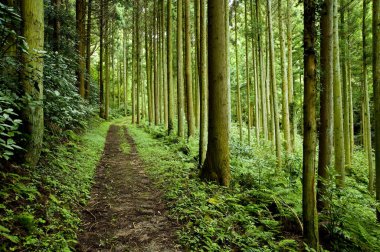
x,y
262,209
40,208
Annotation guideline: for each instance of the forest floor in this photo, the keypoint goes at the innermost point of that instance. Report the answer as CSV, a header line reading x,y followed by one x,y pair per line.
x,y
126,211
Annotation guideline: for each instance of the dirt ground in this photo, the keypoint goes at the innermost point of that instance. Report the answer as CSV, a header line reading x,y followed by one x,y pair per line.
x,y
126,212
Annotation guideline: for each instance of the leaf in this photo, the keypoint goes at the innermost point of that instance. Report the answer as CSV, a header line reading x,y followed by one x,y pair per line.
x,y
4,229
12,238
213,201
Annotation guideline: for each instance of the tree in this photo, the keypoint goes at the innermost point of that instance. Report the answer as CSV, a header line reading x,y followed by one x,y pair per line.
x,y
238,95
284,79
169,54
326,100
273,86
203,84
337,100
81,44
32,13
180,91
309,210
217,162
376,91
366,113
188,80
88,50
101,54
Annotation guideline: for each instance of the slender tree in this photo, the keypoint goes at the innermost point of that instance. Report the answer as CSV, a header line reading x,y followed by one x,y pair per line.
x,y
273,85
248,89
180,91
337,100
326,100
309,209
366,113
32,13
101,55
169,54
376,91
238,95
284,79
188,80
81,44
217,163
88,50
203,84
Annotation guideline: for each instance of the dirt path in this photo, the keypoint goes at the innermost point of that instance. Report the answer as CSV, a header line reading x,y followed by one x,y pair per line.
x,y
126,211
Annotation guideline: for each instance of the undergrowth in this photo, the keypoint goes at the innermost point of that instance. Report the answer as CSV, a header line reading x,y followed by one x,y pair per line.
x,y
39,208
262,209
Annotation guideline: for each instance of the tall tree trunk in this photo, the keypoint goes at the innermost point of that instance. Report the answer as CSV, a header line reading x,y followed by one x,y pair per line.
x,y
256,72
346,108
32,13
188,80
101,54
88,51
273,84
376,91
57,25
164,66
326,101
81,43
261,68
180,91
309,209
125,70
217,163
338,111
203,84
169,54
247,72
284,79
238,95
107,60
366,113
138,63
292,118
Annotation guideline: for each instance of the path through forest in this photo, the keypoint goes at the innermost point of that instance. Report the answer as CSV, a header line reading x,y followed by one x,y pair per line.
x,y
126,212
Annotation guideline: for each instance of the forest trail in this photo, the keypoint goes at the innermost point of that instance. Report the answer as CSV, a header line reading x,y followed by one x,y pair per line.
x,y
126,212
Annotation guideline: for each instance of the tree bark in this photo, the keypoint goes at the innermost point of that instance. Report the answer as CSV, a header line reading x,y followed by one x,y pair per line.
x,y
309,210
217,163
326,101
376,91
169,54
81,43
180,91
32,13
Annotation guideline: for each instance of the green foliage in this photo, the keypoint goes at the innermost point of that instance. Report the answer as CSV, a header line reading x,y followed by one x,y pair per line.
x,y
9,126
64,108
40,209
245,217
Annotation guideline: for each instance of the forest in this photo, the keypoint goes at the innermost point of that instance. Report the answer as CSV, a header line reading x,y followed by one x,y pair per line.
x,y
179,125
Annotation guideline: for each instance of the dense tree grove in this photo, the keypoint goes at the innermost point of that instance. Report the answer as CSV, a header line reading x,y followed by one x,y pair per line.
x,y
276,96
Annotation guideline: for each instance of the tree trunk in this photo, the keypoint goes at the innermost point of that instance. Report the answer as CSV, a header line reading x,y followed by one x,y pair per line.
x,y
238,96
180,91
101,54
107,62
169,54
277,134
32,13
326,101
203,84
338,113
247,73
138,63
57,25
88,51
366,113
188,80
376,91
217,163
309,210
285,87
81,43
292,118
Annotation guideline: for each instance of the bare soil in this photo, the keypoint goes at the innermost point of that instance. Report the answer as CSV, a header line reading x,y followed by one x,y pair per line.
x,y
126,211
